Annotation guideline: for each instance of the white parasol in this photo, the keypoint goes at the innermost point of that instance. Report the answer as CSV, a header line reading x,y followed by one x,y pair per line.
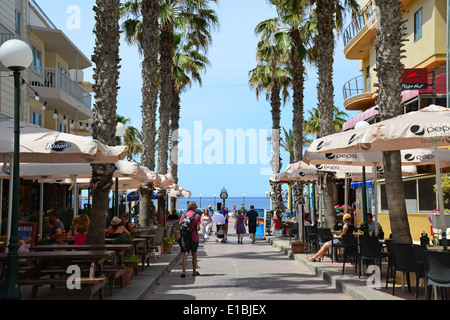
x,y
428,127
218,219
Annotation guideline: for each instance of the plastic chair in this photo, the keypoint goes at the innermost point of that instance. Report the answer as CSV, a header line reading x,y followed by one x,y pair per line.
x,y
369,249
350,244
390,258
437,271
407,259
312,237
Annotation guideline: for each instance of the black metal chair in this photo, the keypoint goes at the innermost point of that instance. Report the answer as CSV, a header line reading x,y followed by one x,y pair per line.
x,y
312,238
350,244
390,258
326,235
293,231
407,258
369,249
437,271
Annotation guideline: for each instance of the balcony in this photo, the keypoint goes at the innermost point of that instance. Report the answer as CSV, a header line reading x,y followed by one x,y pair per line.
x,y
359,35
61,92
357,95
4,36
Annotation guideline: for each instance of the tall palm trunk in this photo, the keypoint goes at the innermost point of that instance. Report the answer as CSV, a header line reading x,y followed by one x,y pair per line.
x,y
324,42
174,139
389,43
166,93
275,103
106,75
298,80
150,47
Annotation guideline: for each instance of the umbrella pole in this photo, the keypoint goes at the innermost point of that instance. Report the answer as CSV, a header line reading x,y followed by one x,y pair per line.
x,y
41,209
443,227
346,194
364,203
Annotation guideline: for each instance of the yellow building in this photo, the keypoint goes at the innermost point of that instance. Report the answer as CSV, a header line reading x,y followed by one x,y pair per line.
x,y
54,94
426,48
55,75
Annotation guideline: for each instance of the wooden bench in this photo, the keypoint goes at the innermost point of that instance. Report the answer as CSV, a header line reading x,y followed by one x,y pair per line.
x,y
94,285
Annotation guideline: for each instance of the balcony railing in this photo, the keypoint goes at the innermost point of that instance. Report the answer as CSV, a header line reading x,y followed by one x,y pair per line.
x,y
360,21
56,78
356,86
5,37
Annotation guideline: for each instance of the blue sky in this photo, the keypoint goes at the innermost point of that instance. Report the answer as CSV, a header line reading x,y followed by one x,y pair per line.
x,y
224,102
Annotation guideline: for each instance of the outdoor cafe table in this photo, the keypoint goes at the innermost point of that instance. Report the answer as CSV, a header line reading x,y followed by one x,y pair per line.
x,y
62,259
119,249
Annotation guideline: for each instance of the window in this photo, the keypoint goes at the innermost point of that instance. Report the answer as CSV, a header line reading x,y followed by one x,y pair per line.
x,y
37,59
36,118
62,127
18,25
418,25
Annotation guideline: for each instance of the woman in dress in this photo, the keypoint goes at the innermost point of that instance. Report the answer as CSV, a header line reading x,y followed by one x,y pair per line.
x,y
348,228
206,224
239,226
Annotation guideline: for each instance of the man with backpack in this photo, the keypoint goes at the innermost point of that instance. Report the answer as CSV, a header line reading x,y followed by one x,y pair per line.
x,y
190,238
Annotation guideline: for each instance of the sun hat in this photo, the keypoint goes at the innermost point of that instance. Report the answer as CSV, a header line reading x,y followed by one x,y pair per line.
x,y
115,221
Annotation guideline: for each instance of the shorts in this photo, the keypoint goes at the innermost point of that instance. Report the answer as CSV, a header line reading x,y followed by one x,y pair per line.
x,y
252,228
188,245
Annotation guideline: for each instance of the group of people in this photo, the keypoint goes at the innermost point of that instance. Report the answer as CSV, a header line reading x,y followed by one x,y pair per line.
x,y
205,222
242,220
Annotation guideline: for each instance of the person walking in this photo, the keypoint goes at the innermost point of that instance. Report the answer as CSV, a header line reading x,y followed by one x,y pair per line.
x,y
206,224
191,243
251,219
239,226
224,212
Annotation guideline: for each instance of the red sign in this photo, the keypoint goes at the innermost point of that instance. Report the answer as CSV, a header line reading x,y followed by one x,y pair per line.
x,y
415,79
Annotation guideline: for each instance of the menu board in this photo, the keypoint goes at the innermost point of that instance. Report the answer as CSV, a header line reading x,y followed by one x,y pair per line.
x,y
27,235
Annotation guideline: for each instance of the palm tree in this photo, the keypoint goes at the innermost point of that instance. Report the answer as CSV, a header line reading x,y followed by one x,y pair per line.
x,y
106,75
298,27
329,15
311,125
188,65
388,46
132,138
271,75
195,19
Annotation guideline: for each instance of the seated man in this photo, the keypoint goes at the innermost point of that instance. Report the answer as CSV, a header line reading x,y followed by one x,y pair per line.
x,y
56,228
374,227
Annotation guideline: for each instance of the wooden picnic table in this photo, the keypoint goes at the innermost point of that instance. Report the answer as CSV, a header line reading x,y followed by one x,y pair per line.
x,y
49,260
119,249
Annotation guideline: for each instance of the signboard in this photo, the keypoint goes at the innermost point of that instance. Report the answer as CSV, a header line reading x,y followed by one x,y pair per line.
x,y
415,79
27,236
260,229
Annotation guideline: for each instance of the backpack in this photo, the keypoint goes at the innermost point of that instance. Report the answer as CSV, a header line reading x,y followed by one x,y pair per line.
x,y
185,226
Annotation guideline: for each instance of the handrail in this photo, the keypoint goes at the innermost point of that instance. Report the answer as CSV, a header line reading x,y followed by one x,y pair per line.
x,y
357,85
360,21
55,78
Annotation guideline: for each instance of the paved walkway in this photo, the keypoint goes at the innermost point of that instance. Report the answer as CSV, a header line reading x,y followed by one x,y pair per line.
x,y
231,271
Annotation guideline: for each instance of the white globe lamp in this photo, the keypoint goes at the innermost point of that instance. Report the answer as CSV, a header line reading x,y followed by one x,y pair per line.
x,y
361,125
120,129
16,55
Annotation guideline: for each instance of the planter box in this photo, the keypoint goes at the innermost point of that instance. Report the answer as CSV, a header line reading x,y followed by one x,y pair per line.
x,y
298,247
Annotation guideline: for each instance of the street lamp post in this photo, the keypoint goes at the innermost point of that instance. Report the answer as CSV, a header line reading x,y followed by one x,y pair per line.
x,y
200,201
243,199
120,132
215,204
15,55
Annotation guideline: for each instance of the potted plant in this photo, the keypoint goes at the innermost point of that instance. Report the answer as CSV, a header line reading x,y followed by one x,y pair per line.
x,y
130,266
128,256
168,244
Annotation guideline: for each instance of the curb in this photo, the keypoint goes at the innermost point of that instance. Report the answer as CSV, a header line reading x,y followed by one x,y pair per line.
x,y
145,281
350,287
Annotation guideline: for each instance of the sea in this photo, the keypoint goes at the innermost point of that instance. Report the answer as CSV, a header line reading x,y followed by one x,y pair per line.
x,y
204,202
